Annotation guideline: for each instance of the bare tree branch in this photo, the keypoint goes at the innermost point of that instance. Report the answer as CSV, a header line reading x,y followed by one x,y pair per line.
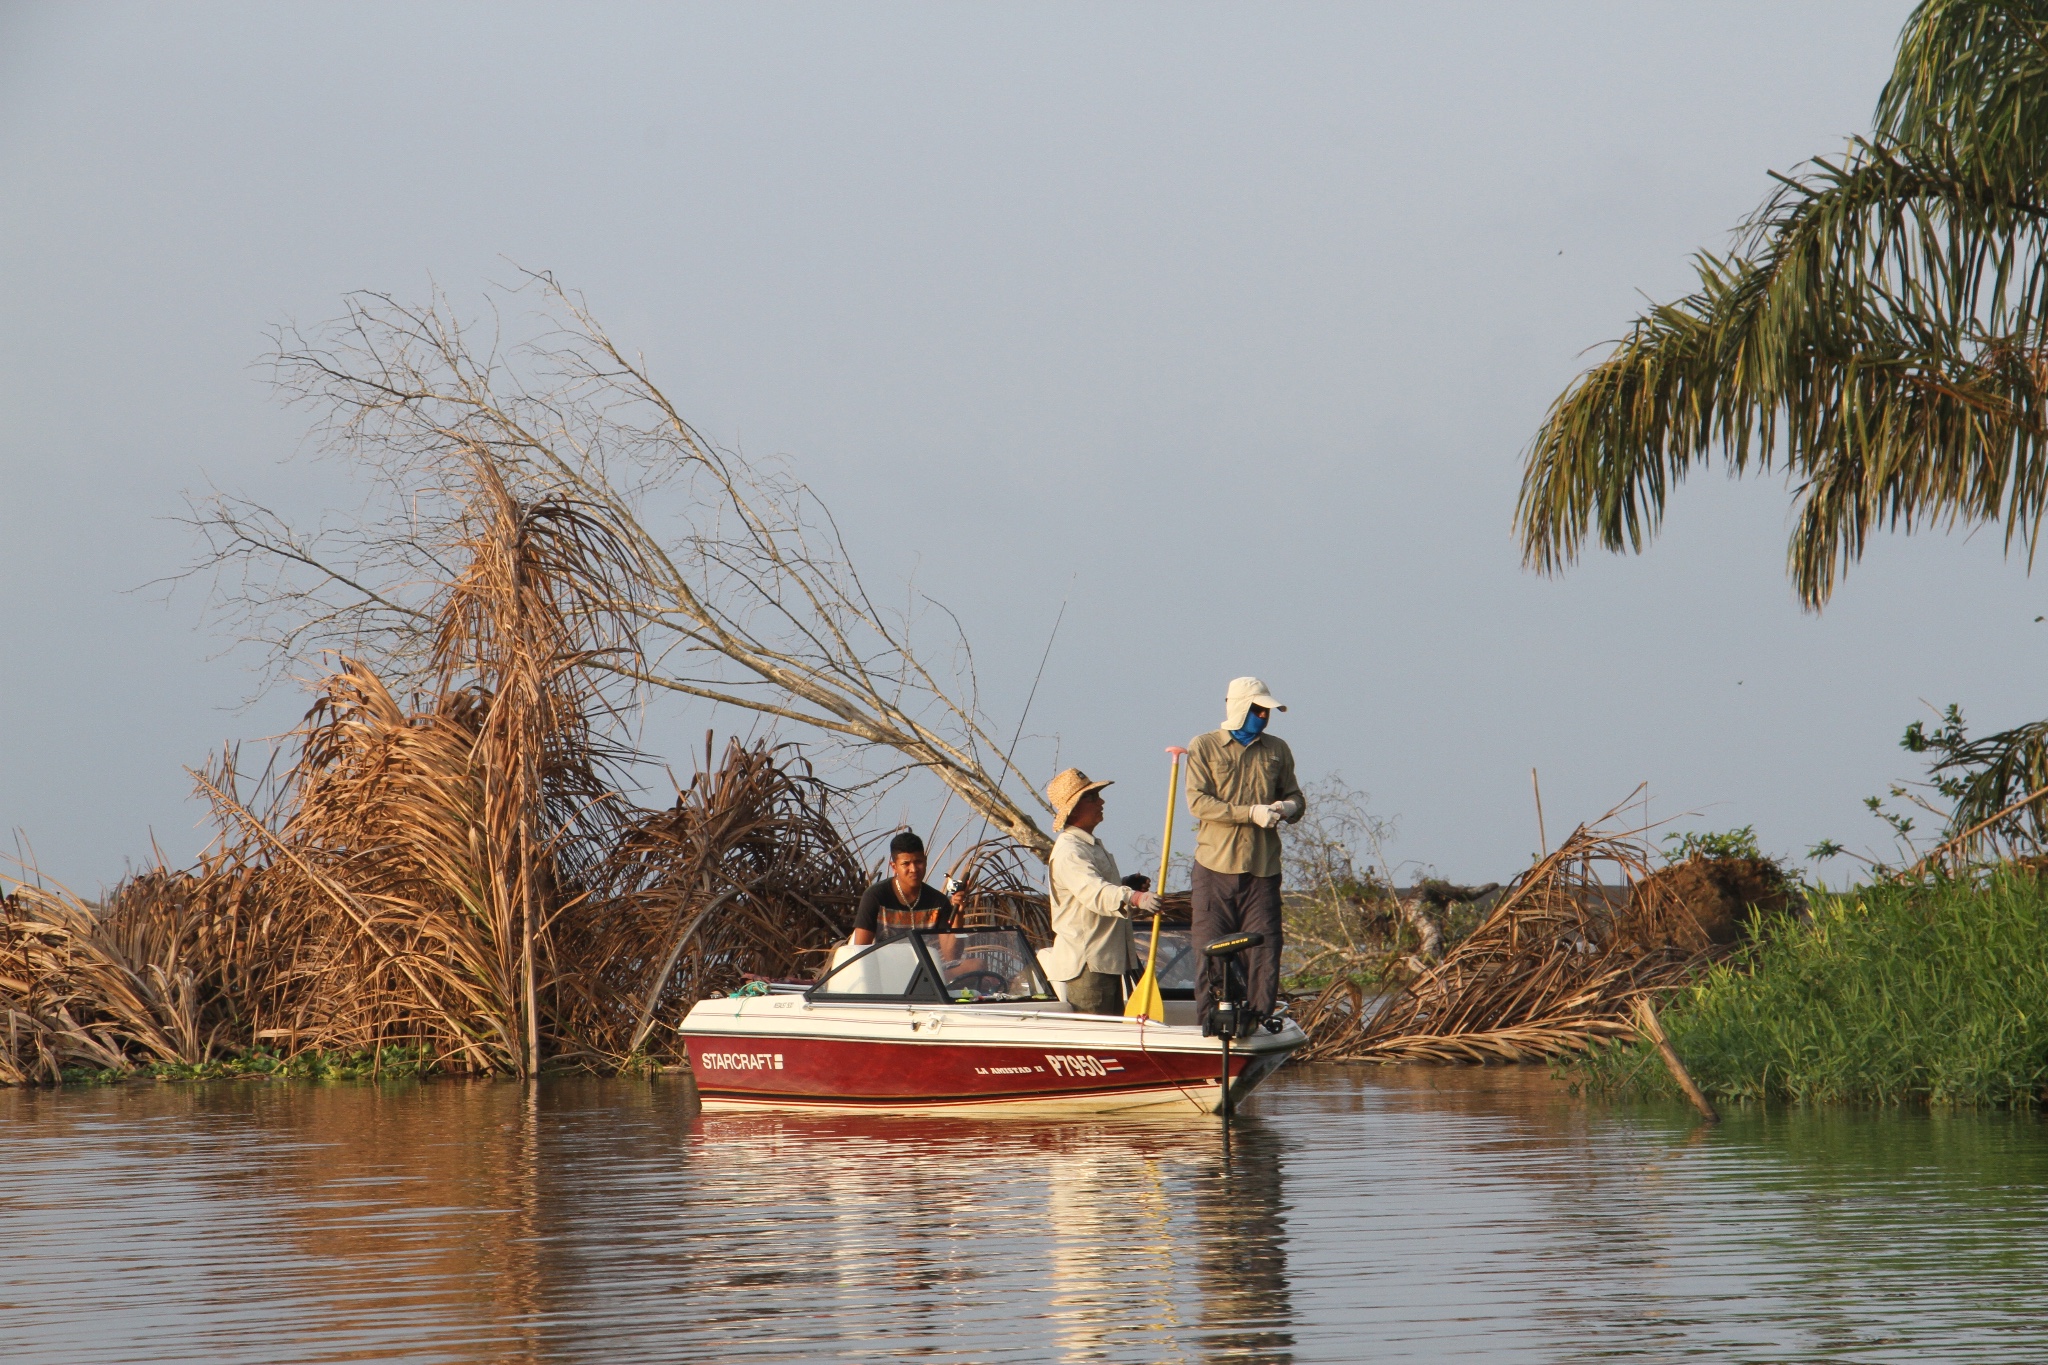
x,y
734,582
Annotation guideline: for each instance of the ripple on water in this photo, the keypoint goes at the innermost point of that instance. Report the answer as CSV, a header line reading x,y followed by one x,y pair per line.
x,y
1397,1214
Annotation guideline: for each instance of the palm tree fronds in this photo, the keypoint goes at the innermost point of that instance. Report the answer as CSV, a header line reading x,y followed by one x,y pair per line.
x,y
1877,334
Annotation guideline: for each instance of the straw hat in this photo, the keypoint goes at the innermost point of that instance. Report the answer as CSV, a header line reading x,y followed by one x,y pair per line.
x,y
1065,793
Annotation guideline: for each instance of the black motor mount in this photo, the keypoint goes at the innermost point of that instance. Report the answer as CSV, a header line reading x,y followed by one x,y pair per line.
x,y
1229,1016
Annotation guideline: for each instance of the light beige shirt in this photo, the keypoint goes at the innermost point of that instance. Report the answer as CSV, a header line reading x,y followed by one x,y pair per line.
x,y
1225,780
1090,905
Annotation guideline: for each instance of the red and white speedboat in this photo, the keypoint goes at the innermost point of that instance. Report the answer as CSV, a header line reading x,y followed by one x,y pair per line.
x,y
957,1019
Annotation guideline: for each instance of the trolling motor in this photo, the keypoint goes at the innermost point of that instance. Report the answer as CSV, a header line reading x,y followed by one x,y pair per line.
x,y
1230,1016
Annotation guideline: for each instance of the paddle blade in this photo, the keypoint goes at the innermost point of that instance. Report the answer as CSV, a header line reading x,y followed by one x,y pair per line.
x,y
1145,1001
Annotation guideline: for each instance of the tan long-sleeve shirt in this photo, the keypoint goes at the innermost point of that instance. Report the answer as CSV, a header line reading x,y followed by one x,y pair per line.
x,y
1225,780
1090,928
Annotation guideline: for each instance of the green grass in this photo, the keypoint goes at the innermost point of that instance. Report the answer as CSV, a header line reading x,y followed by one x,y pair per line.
x,y
1314,982
394,1063
1931,995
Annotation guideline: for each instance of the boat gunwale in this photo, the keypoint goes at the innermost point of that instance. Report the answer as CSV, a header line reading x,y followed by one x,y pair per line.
x,y
1147,1035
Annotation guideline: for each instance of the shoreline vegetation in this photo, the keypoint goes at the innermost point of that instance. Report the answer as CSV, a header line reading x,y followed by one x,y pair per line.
x,y
438,872
1557,964
325,946
1933,993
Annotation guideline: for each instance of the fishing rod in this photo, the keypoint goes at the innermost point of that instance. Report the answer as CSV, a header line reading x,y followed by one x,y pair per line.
x,y
1029,697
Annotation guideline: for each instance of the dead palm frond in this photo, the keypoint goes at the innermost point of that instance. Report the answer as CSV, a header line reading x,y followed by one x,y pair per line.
x,y
745,875
1556,966
154,975
1002,892
520,629
382,860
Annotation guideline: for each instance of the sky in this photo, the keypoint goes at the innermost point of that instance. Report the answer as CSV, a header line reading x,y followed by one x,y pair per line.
x,y
1226,326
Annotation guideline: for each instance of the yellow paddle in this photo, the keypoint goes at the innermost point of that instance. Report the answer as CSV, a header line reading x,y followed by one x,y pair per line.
x,y
1145,1001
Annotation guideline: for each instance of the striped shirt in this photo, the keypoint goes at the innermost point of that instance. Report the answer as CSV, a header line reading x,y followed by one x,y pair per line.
x,y
882,914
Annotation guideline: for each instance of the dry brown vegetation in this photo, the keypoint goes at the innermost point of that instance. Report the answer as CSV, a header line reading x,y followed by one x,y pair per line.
x,y
382,931
446,869
1557,965
362,916
714,576
457,880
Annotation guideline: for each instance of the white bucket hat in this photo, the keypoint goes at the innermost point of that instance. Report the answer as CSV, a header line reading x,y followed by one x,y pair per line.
x,y
1244,694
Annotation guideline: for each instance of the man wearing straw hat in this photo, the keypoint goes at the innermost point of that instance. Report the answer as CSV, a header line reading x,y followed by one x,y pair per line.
x,y
1091,907
1241,787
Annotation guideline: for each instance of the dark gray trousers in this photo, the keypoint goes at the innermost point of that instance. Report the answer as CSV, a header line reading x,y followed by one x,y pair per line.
x,y
1238,903
1096,993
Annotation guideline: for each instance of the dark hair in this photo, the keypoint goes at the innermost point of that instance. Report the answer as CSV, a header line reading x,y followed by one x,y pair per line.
x,y
1138,881
906,842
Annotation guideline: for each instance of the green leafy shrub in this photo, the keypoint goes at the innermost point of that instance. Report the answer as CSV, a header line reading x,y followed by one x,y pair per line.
x,y
1734,843
1932,994
391,1063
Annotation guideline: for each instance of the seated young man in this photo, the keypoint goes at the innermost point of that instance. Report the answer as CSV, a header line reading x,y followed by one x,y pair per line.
x,y
904,901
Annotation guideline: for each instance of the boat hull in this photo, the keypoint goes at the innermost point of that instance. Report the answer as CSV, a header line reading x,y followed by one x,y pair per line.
x,y
787,1053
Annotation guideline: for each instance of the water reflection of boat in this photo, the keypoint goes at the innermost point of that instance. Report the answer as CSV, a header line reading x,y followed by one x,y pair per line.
x,y
1147,1239
957,1018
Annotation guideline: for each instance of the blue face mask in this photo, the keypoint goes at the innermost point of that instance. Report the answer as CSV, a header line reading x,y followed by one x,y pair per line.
x,y
1254,726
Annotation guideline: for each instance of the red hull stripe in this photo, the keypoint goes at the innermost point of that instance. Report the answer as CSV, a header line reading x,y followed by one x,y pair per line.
x,y
992,1097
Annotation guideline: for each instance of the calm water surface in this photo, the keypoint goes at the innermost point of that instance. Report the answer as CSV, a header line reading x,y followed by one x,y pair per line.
x,y
1357,1214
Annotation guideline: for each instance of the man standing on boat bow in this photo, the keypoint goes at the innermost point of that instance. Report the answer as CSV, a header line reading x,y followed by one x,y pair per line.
x,y
1091,928
1241,788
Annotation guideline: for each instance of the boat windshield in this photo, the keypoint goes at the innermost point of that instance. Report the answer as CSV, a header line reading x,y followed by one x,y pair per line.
x,y
1177,959
964,966
890,969
986,964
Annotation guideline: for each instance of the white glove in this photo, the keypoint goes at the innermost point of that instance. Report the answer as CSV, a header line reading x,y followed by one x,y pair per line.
x,y
1265,817
1145,902
1287,809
